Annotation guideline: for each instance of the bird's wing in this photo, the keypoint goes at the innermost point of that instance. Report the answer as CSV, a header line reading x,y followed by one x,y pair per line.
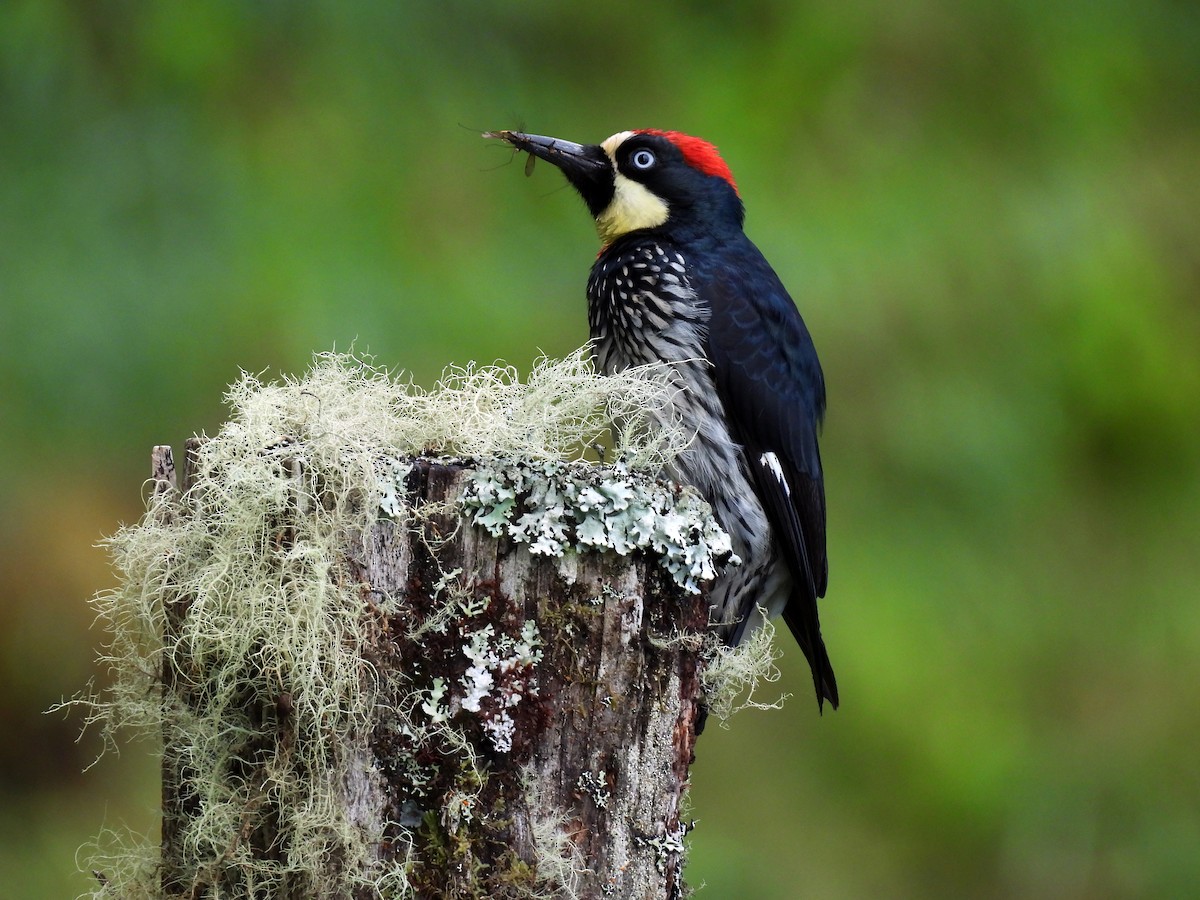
x,y
771,386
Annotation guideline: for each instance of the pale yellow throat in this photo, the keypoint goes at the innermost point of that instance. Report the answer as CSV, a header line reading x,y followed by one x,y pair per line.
x,y
633,205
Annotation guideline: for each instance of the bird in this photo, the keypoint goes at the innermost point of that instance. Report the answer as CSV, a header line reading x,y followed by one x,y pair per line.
x,y
677,281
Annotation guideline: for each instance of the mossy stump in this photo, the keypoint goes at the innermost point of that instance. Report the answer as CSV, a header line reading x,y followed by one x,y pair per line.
x,y
523,724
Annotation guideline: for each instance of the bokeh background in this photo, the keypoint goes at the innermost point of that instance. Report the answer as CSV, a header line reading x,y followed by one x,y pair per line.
x,y
988,213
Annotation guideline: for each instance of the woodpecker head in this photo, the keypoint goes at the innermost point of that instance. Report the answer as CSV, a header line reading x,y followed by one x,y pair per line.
x,y
646,179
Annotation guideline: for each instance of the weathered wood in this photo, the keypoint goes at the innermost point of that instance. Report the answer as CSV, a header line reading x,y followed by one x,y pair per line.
x,y
162,471
559,776
179,801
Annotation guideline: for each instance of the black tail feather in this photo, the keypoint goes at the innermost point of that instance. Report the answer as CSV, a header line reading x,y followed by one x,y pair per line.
x,y
807,633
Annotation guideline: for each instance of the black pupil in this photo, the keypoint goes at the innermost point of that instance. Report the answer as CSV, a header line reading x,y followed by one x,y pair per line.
x,y
643,159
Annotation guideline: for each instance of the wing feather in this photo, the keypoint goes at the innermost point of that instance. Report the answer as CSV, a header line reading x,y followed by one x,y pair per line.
x,y
770,381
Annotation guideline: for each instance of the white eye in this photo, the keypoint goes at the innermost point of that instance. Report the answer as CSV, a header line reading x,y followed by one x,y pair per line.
x,y
642,159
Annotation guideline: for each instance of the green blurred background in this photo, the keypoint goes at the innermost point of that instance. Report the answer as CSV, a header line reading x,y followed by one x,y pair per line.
x,y
988,214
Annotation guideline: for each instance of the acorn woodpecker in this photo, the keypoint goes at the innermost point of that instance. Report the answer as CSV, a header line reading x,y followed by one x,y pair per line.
x,y
678,281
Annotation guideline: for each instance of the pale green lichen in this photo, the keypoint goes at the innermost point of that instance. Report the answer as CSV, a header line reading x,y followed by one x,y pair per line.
x,y
437,711
669,849
500,672
553,506
594,786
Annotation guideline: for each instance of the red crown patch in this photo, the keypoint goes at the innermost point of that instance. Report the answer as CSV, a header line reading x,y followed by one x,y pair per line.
x,y
699,153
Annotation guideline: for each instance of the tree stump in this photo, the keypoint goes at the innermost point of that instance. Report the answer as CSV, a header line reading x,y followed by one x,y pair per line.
x,y
530,724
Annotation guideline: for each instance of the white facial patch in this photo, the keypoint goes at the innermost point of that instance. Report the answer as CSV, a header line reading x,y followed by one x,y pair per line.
x,y
610,145
633,205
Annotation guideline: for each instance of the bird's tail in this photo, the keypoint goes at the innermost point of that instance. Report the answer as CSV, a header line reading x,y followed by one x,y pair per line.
x,y
808,636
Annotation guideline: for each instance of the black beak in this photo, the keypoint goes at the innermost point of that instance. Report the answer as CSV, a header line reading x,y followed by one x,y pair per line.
x,y
586,166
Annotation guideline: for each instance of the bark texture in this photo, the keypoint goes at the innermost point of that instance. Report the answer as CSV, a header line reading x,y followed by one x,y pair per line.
x,y
554,773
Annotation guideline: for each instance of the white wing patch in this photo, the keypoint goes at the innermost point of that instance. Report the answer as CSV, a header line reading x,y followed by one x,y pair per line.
x,y
771,461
